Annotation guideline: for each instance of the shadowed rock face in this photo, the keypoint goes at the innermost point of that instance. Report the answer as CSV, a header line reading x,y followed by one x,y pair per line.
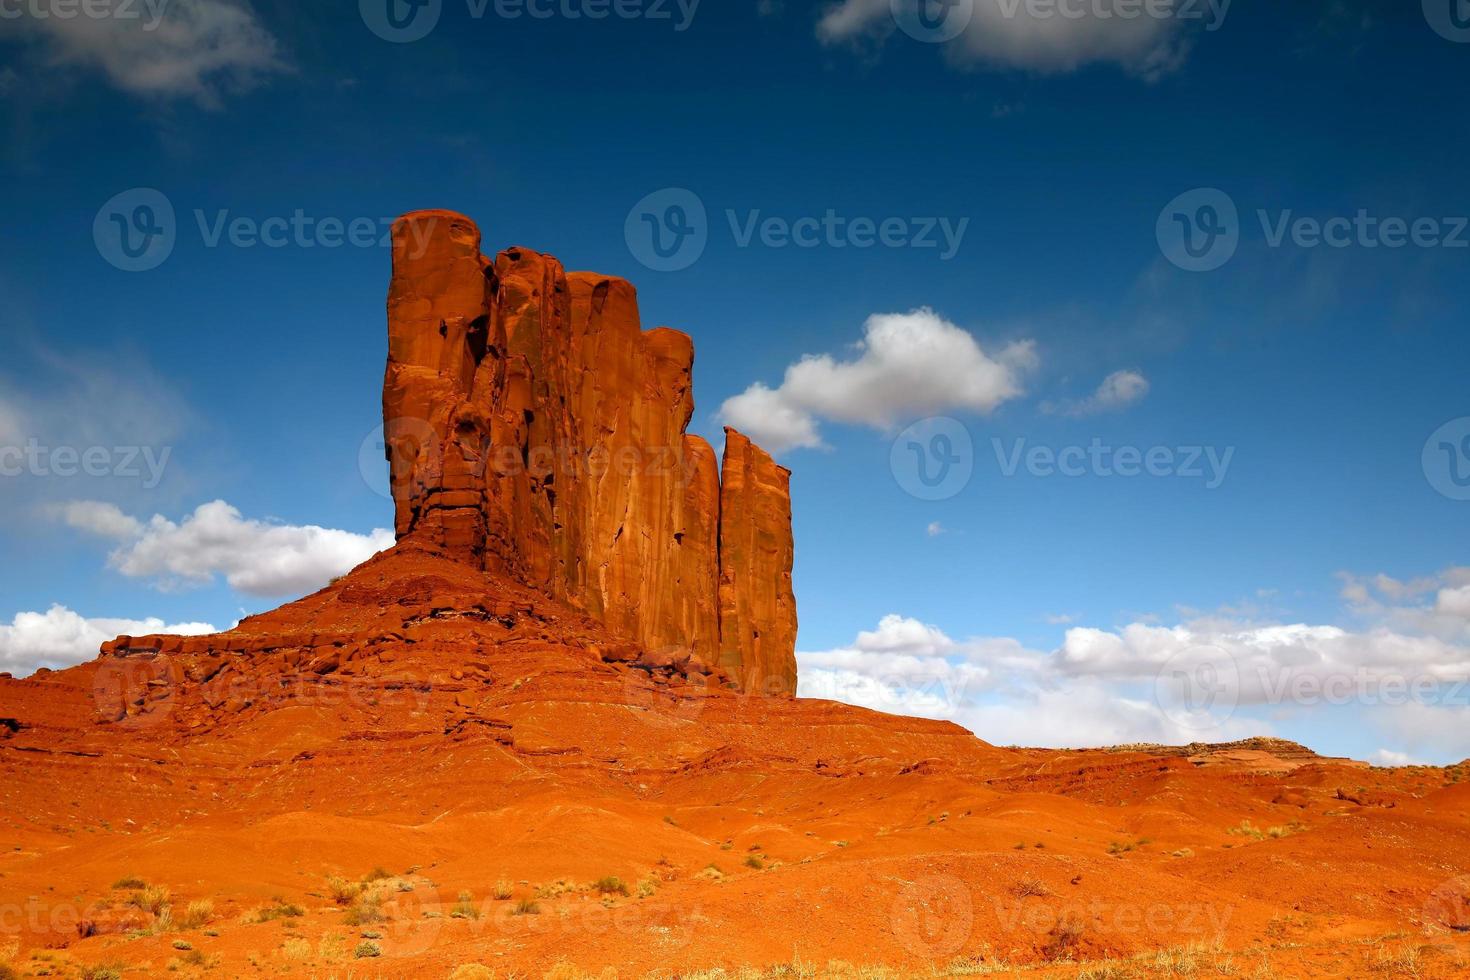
x,y
533,428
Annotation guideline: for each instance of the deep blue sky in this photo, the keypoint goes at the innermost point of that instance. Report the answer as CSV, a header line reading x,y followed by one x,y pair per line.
x,y
1325,369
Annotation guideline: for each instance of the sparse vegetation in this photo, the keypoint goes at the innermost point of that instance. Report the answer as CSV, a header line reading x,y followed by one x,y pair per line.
x,y
342,891
153,899
610,885
464,907
280,910
647,887
366,911
1030,887
503,890
751,861
182,945
526,907
111,972
196,914
367,949
129,883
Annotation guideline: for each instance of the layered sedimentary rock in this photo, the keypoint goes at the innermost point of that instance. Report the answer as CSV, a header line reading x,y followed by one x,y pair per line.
x,y
534,428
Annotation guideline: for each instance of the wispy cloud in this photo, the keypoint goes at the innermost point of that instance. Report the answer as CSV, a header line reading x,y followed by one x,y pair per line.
x,y
164,49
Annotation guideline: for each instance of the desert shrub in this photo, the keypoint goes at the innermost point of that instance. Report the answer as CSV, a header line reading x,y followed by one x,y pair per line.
x,y
610,885
196,914
647,887
464,908
503,890
280,910
526,907
130,883
182,945
367,949
1030,887
751,861
152,899
376,875
296,949
102,973
342,891
366,911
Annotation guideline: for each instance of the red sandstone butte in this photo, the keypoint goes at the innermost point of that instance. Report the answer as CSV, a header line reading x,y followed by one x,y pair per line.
x,y
533,428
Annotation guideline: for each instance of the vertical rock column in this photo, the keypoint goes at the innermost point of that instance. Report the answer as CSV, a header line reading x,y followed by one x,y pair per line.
x,y
757,604
535,429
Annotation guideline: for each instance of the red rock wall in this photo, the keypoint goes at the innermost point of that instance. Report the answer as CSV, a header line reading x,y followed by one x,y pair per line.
x,y
757,605
535,429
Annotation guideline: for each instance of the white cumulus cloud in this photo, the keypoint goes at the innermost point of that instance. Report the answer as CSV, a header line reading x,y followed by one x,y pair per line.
x,y
255,557
1108,686
907,365
59,637
1048,38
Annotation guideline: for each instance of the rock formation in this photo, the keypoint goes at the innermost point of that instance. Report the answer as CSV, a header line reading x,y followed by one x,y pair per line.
x,y
534,429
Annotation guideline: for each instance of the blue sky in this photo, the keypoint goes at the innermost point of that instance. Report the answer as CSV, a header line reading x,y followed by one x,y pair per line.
x,y
1060,152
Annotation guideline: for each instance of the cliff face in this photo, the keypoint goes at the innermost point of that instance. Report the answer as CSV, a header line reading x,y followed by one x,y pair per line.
x,y
535,429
